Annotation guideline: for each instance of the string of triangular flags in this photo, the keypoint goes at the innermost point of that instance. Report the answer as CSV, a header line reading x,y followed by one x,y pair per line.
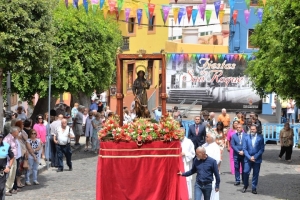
x,y
115,6
179,57
259,11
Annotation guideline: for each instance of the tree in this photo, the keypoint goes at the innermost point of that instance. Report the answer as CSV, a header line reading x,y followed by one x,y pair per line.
x,y
25,44
276,66
86,50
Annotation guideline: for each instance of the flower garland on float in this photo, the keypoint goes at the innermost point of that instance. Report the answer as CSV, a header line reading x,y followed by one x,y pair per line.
x,y
141,130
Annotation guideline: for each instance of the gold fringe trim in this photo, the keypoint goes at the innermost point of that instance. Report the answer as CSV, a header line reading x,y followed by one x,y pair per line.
x,y
141,156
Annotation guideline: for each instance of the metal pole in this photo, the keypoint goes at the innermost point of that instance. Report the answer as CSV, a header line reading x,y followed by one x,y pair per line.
x,y
61,97
49,105
8,82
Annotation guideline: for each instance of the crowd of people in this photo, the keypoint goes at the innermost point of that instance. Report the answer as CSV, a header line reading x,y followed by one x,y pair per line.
x,y
207,138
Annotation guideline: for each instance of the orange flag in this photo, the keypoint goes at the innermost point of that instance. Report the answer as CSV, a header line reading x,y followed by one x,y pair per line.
x,y
175,14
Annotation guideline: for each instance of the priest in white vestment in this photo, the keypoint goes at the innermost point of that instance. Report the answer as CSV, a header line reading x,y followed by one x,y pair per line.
x,y
188,154
213,151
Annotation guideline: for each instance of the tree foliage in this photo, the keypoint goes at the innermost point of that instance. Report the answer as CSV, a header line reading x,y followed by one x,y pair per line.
x,y
25,43
276,67
86,46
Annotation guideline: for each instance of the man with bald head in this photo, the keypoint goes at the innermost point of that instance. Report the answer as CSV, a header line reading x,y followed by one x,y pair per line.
x,y
62,139
205,167
225,118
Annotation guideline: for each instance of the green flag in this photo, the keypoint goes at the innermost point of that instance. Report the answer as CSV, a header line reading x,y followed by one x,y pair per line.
x,y
208,15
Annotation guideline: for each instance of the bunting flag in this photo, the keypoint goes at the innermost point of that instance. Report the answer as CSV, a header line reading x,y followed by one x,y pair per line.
x,y
247,4
231,4
102,3
146,10
139,13
67,3
151,8
234,16
260,12
75,3
201,9
217,8
208,15
165,12
194,16
127,13
86,5
120,5
105,11
221,16
189,10
168,57
180,14
247,15
117,14
175,13
264,2
112,6
222,6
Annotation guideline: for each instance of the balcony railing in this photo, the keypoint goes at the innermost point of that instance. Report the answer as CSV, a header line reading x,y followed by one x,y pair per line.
x,y
125,43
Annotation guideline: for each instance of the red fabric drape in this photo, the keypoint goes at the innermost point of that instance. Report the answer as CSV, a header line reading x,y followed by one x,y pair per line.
x,y
126,171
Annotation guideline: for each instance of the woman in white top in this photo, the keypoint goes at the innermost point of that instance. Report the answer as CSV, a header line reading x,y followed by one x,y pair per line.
x,y
291,111
34,146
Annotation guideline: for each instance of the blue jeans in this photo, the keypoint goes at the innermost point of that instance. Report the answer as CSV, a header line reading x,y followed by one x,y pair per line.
x,y
64,150
202,189
33,166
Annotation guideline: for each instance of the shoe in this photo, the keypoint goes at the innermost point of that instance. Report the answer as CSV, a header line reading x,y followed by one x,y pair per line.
x,y
289,161
13,192
237,183
8,194
36,183
59,170
85,150
254,192
77,144
20,186
279,158
244,189
27,183
70,169
96,152
19,190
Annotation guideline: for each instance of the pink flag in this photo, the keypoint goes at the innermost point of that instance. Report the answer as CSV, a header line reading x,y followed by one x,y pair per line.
x,y
127,13
247,15
94,2
201,9
166,10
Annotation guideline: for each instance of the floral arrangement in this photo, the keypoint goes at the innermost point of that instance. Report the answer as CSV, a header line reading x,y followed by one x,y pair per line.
x,y
142,130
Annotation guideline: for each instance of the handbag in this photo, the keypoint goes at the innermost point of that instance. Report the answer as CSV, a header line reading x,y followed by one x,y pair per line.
x,y
25,164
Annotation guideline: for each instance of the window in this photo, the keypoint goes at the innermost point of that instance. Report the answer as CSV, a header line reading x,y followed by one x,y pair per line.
x,y
202,33
250,32
150,71
130,76
180,37
131,23
253,2
151,24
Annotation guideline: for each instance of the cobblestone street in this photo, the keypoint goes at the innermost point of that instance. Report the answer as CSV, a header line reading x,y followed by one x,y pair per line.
x,y
278,180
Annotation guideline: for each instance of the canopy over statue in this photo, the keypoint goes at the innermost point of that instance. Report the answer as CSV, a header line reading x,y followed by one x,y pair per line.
x,y
139,89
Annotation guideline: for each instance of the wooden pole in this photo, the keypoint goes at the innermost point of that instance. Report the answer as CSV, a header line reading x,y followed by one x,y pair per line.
x,y
163,94
119,94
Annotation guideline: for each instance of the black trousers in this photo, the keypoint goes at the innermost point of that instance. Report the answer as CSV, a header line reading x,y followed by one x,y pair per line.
x,y
288,152
64,150
2,185
53,153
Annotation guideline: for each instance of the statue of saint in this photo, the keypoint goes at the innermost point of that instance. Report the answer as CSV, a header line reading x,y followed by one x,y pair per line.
x,y
139,89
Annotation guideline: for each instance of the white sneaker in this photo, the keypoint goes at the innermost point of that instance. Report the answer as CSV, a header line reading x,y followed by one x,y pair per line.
x,y
36,183
27,183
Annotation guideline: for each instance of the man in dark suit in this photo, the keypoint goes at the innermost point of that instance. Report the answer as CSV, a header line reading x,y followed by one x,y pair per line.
x,y
253,148
197,132
237,141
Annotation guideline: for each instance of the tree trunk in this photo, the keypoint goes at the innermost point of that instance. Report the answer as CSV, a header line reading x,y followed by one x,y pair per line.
x,y
80,98
1,99
41,106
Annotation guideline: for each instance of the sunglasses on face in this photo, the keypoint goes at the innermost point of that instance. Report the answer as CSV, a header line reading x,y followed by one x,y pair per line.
x,y
40,118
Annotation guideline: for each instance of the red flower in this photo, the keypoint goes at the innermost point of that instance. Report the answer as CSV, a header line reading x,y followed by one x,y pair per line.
x,y
149,138
140,131
139,138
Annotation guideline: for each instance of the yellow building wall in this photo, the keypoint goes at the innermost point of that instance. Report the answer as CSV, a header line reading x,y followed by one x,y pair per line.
x,y
150,41
176,47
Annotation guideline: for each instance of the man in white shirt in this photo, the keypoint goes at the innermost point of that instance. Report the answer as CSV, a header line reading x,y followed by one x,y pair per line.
x,y
188,153
103,98
62,139
213,151
53,126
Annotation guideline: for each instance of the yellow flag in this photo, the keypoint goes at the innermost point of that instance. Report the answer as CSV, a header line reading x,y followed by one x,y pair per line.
x,y
175,14
264,1
105,11
221,16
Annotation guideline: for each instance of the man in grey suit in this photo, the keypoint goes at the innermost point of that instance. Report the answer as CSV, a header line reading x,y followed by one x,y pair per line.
x,y
197,132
